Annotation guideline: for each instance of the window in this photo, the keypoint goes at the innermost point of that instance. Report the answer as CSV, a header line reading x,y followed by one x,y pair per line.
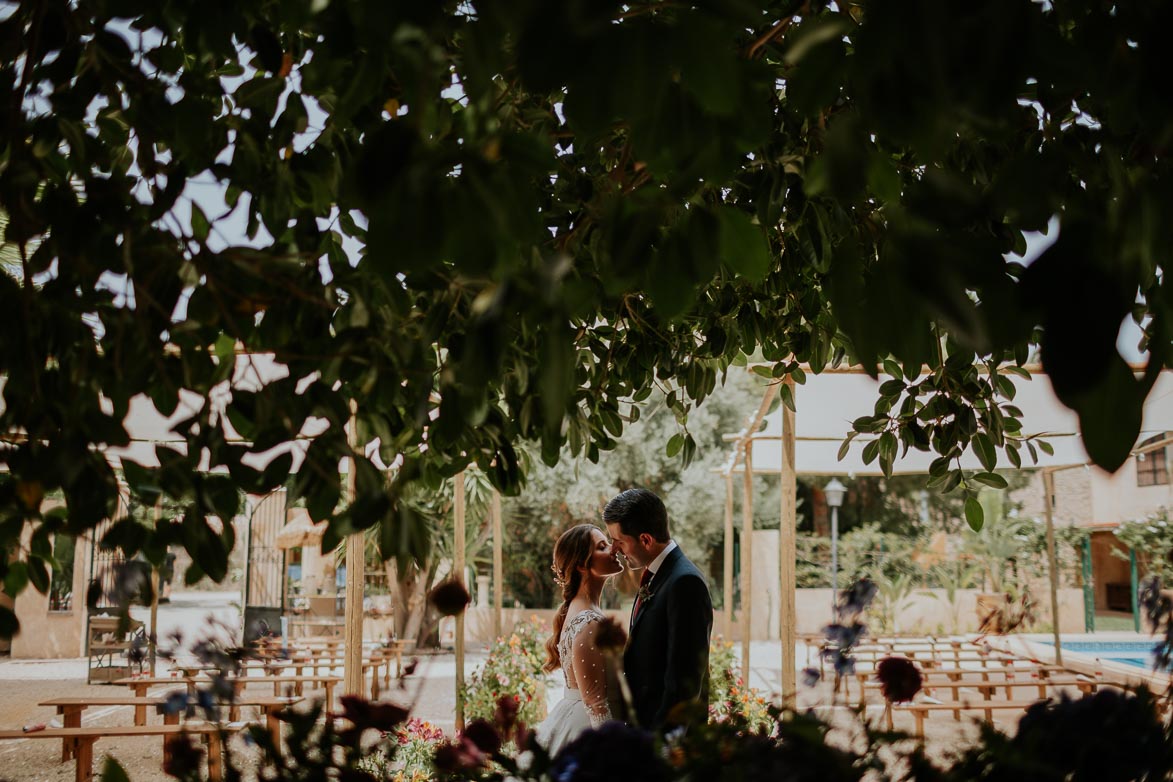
x,y
61,590
1151,468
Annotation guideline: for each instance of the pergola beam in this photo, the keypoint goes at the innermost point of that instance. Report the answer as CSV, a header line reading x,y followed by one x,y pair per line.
x,y
355,581
458,574
788,554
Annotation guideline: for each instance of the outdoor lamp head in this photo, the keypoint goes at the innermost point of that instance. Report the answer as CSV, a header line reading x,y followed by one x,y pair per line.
x,y
835,492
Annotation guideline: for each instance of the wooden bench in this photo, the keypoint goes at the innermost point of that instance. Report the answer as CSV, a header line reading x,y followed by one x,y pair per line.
x,y
139,685
1010,675
920,709
71,710
85,738
298,666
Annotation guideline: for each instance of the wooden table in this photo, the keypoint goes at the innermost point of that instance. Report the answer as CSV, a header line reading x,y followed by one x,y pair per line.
x,y
84,739
71,710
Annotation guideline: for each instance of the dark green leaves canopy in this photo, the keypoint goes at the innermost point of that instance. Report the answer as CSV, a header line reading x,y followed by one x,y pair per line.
x,y
562,207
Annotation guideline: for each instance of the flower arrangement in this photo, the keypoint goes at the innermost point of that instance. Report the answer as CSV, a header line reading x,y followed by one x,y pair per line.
x,y
512,669
414,743
730,699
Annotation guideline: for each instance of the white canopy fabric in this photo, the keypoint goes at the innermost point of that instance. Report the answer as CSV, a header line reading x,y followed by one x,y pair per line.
x,y
827,404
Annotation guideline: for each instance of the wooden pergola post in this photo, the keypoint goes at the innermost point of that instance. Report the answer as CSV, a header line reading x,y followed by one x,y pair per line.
x,y
498,566
154,636
352,679
747,560
787,554
458,574
727,585
1052,560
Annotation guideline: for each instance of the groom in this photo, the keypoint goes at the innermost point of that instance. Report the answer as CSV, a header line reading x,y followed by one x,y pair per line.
x,y
667,656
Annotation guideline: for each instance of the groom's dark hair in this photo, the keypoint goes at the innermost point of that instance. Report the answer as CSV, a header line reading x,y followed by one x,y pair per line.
x,y
637,511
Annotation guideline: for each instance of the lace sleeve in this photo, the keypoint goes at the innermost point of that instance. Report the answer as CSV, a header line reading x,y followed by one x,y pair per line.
x,y
590,673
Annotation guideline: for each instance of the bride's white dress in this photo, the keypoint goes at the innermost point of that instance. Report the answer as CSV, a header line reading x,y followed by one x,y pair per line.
x,y
585,703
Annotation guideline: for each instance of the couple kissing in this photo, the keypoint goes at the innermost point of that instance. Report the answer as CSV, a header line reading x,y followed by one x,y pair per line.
x,y
664,679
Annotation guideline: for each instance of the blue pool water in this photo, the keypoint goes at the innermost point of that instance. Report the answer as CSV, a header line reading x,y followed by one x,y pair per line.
x,y
1136,653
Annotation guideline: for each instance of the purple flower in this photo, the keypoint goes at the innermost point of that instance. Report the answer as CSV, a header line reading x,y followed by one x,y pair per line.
x,y
854,600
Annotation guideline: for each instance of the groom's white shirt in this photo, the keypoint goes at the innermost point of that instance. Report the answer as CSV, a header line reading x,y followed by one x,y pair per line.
x,y
654,567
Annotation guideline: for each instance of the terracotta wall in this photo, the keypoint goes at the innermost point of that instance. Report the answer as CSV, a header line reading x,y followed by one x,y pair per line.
x,y
54,634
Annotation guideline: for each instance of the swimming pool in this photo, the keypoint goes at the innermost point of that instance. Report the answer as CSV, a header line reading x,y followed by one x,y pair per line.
x,y
1135,653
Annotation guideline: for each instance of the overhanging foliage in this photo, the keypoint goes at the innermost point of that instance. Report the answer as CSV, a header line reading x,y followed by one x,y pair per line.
x,y
562,208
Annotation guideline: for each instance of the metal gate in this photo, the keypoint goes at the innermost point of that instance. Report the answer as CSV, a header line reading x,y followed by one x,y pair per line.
x,y
104,563
264,573
107,638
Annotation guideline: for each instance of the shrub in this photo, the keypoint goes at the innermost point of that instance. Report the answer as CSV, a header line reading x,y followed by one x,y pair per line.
x,y
513,668
730,699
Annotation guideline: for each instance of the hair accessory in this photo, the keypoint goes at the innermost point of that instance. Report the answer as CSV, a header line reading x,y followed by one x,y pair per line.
x,y
558,579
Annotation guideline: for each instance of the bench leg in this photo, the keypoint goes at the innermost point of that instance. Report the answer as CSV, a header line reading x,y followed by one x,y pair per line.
x,y
215,757
274,725
84,758
70,718
329,696
920,723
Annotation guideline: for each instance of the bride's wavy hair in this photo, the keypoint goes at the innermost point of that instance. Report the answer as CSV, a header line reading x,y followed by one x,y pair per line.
x,y
572,551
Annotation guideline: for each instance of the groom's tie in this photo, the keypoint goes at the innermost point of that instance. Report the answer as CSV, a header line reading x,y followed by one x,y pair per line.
x,y
644,580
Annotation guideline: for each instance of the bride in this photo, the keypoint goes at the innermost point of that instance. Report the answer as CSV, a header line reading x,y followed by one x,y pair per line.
x,y
583,561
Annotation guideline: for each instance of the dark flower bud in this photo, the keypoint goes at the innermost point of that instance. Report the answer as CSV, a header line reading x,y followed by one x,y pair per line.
x,y
459,755
484,736
611,637
900,679
183,754
450,597
364,714
505,715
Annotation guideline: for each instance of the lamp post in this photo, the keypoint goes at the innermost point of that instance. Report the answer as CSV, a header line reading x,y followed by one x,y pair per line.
x,y
834,491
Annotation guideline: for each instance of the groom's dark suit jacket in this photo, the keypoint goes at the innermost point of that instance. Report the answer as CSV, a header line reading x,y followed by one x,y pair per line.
x,y
667,656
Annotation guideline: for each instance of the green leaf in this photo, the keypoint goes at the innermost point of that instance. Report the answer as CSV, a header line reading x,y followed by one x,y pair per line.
x,y
743,244
871,451
1046,447
983,447
974,516
844,448
112,771
675,443
689,450
17,578
9,625
1013,455
38,573
991,479
787,393
199,224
